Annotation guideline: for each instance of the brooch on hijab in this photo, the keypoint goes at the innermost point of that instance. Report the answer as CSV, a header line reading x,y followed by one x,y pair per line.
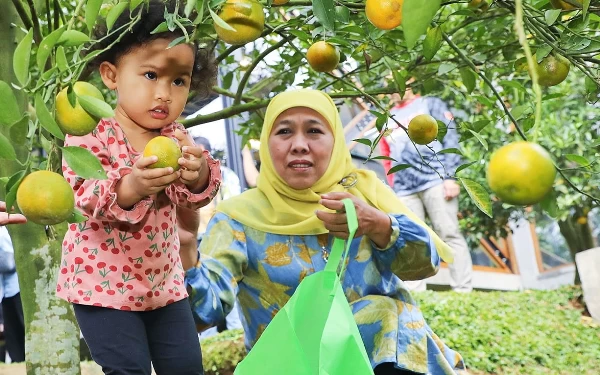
x,y
349,181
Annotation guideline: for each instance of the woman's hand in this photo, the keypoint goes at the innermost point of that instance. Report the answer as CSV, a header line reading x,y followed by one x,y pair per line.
x,y
372,222
10,219
188,221
194,169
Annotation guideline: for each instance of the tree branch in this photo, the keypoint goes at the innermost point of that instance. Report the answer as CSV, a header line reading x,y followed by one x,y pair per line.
x,y
22,14
248,72
37,30
486,80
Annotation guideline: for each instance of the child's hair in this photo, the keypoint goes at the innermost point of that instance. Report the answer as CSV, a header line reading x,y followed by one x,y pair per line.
x,y
204,73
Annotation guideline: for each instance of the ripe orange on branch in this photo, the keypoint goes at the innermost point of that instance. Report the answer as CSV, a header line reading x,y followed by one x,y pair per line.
x,y
323,57
521,173
45,198
246,17
423,129
75,120
384,14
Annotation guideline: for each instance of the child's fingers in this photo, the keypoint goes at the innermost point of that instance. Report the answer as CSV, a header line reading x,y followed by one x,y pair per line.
x,y
165,180
2,206
145,162
189,176
190,164
153,173
183,139
195,151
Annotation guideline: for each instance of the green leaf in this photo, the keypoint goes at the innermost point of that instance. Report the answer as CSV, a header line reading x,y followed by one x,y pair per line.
x,y
445,68
577,159
7,150
76,217
22,57
399,167
136,3
469,78
342,14
543,51
46,119
480,139
551,16
18,131
46,47
383,157
114,13
95,107
464,166
217,20
432,42
92,8
176,41
550,205
83,163
61,59
9,110
586,6
364,141
450,151
73,38
416,17
479,195
400,81
442,131
11,187
324,10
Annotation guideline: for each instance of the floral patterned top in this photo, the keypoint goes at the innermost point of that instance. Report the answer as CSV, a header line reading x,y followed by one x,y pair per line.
x,y
264,269
124,259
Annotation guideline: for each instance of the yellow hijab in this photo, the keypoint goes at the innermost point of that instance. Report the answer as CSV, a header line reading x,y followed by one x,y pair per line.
x,y
274,207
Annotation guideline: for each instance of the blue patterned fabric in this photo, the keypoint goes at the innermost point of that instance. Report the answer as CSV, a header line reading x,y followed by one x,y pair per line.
x,y
264,269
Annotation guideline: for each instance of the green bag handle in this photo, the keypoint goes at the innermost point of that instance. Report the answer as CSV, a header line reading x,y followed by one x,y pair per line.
x,y
337,251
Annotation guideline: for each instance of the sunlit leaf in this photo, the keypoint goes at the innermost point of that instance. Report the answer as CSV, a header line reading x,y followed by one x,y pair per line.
x,y
21,58
551,16
46,119
432,42
92,9
7,151
217,20
399,167
115,12
83,163
416,17
9,110
469,78
46,47
478,194
96,108
581,160
324,10
76,217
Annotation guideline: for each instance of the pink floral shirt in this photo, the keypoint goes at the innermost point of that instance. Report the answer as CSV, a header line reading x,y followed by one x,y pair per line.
x,y
124,259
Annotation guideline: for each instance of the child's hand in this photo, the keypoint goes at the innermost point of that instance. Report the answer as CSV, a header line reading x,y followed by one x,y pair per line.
x,y
194,170
146,181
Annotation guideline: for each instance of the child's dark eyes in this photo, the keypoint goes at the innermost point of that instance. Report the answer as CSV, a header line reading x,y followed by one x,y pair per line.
x,y
179,82
150,75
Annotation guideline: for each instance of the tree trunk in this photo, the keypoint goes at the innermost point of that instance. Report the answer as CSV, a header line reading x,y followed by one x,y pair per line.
x,y
52,334
578,236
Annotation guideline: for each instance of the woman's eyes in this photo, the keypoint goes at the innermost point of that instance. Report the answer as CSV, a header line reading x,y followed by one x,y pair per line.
x,y
284,131
289,131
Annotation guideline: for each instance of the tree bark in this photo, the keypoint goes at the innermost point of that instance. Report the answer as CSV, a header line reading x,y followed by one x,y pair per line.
x,y
51,331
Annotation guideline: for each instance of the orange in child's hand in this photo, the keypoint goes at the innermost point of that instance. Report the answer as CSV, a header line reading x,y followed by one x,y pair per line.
x,y
167,151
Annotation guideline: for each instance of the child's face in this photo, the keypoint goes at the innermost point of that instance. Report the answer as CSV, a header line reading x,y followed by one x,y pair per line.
x,y
152,83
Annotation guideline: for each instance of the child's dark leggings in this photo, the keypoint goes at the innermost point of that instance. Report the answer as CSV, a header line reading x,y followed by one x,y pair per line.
x,y
389,369
125,342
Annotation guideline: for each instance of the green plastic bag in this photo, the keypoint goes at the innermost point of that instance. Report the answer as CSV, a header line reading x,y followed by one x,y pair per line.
x,y
315,332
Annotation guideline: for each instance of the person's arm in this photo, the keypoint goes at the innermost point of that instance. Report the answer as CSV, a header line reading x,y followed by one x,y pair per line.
x,y
6,219
188,221
250,171
212,281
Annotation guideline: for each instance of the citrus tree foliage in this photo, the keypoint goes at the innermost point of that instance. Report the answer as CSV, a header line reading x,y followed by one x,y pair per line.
x,y
476,54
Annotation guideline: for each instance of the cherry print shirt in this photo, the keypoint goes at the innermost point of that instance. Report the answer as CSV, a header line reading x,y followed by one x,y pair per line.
x,y
124,259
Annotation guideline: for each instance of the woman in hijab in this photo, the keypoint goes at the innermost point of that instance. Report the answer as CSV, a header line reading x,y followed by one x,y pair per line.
x,y
262,243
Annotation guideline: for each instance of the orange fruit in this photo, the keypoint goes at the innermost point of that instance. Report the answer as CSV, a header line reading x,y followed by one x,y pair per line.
x,y
280,2
422,129
560,4
323,57
45,198
582,220
521,173
246,17
75,120
552,70
167,151
478,5
384,14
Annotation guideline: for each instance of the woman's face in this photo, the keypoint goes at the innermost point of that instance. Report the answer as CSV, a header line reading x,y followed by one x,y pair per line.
x,y
300,144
